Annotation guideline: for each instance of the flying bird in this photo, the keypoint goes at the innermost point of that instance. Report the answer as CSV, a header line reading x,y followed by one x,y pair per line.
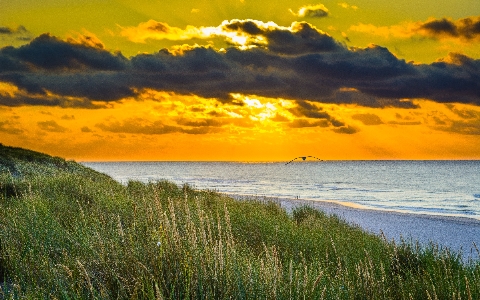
x,y
303,158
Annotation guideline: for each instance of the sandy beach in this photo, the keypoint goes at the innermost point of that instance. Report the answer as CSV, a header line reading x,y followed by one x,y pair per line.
x,y
455,233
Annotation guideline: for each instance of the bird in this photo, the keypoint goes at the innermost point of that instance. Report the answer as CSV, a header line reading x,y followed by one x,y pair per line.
x,y
303,158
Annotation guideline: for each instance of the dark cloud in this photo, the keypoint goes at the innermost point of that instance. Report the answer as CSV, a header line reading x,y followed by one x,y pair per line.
x,y
438,121
469,123
140,126
402,117
197,109
86,129
468,28
48,100
302,123
159,26
316,13
305,39
320,118
247,26
47,53
137,126
354,96
409,119
214,113
462,127
309,110
405,122
68,117
302,64
10,128
443,26
306,109
7,30
199,122
51,126
368,119
20,33
464,113
301,38
346,130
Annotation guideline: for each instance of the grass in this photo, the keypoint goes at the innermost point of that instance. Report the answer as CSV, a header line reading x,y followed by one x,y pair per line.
x,y
81,235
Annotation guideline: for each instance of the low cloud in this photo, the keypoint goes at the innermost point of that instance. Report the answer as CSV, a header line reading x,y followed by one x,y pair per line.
x,y
298,62
24,98
302,123
467,29
86,129
306,109
136,126
20,33
405,123
320,118
463,127
311,11
346,130
198,122
464,113
68,117
51,126
11,31
459,119
368,119
140,126
10,128
468,124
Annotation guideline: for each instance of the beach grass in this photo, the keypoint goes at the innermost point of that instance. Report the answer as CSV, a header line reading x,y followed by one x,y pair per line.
x,y
72,233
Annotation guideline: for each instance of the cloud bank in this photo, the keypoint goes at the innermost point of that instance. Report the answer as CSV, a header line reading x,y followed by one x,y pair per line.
x,y
467,29
20,33
298,62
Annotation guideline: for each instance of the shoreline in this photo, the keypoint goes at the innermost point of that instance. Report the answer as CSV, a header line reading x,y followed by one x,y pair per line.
x,y
350,205
460,234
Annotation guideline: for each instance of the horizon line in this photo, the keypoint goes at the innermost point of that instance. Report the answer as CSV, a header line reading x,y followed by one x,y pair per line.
x,y
282,161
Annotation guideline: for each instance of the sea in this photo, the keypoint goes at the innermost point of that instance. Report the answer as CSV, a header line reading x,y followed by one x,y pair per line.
x,y
446,188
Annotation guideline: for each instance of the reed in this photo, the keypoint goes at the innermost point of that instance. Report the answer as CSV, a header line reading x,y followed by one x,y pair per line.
x,y
71,236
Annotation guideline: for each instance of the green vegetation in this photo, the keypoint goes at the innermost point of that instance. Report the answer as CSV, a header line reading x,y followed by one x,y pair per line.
x,y
22,163
67,232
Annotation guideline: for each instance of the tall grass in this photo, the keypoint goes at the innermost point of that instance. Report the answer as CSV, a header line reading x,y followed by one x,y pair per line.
x,y
71,236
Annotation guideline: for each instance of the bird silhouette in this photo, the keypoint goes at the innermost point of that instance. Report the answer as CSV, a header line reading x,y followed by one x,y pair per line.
x,y
303,158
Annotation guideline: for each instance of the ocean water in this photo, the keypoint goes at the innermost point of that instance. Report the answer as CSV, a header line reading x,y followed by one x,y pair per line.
x,y
428,187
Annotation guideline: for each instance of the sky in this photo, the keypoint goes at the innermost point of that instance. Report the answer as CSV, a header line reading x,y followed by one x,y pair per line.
x,y
241,80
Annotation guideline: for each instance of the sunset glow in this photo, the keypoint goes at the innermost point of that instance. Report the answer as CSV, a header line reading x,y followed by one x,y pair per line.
x,y
241,80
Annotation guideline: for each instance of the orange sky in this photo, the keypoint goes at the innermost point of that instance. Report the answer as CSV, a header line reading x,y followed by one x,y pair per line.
x,y
239,81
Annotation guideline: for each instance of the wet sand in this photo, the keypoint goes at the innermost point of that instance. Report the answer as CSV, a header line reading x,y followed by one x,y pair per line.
x,y
455,233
